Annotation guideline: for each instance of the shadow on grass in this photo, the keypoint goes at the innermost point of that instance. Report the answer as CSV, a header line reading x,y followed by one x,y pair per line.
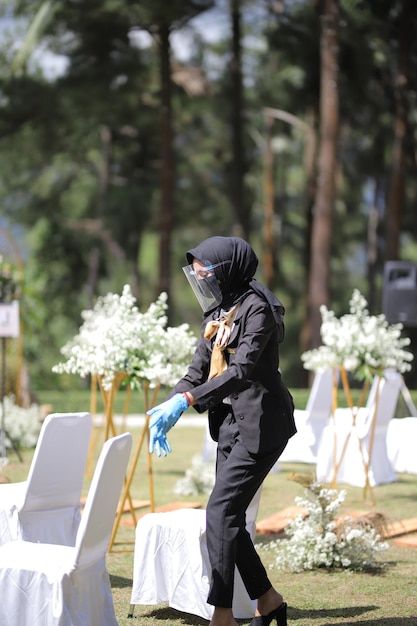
x,y
169,615
385,621
119,582
171,472
340,612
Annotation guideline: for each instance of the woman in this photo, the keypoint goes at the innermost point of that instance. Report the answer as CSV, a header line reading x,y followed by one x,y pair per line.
x,y
234,375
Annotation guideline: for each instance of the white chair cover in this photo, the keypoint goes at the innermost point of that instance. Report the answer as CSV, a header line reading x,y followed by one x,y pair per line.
x,y
46,507
171,562
310,422
401,444
341,432
55,585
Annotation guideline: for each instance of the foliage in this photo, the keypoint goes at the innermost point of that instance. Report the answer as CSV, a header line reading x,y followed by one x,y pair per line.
x,y
10,281
116,337
317,540
361,343
80,149
314,597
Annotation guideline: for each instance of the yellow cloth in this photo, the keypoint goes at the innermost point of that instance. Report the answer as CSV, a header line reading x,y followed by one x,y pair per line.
x,y
222,328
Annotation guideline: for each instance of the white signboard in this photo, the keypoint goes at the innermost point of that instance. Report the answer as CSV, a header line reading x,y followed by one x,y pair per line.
x,y
9,319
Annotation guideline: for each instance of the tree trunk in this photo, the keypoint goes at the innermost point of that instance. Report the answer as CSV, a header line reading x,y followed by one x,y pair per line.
x,y
318,292
396,192
166,211
94,257
268,183
310,191
240,226
372,249
268,226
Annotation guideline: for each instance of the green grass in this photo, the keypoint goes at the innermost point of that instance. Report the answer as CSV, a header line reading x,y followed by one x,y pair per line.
x,y
317,598
80,400
70,400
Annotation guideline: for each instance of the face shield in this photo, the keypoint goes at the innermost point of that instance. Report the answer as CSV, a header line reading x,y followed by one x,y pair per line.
x,y
205,286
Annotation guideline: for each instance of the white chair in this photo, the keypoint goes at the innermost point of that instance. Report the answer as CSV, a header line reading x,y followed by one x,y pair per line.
x,y
171,562
401,444
46,507
311,421
357,455
68,585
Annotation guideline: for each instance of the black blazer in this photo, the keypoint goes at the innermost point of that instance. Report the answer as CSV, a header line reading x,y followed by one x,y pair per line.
x,y
262,405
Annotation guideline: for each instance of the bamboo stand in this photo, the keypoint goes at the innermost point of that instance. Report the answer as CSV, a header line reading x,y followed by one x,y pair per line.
x,y
109,396
128,482
354,409
9,328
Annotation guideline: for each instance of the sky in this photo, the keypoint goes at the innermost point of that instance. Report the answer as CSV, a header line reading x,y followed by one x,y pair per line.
x,y
212,25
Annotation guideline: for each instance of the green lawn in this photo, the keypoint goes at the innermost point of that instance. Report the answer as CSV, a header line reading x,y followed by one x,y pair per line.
x,y
80,400
316,598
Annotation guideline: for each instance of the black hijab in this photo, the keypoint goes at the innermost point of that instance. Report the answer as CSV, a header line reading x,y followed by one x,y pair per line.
x,y
236,266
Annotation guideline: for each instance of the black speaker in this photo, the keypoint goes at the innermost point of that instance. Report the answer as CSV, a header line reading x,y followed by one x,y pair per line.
x,y
399,297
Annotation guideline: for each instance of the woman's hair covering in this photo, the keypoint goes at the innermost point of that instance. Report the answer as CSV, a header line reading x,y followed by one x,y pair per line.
x,y
236,261
236,264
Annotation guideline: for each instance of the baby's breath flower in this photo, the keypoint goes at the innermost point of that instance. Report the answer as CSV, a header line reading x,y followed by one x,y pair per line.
x,y
318,540
198,479
358,342
116,337
23,425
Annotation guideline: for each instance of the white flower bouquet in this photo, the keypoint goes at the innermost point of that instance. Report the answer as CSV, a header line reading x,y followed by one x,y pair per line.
x,y
198,479
116,337
360,343
23,424
320,540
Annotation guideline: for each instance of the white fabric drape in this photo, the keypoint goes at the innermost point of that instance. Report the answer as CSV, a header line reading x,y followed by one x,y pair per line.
x,y
171,562
311,421
349,446
43,584
46,507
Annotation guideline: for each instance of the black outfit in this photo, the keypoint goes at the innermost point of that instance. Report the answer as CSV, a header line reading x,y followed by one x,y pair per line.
x,y
250,411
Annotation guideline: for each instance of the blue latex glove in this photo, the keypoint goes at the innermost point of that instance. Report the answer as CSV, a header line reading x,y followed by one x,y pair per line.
x,y
159,443
163,418
165,415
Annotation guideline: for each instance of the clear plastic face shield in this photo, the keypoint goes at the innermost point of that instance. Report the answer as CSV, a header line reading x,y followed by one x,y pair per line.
x,y
204,284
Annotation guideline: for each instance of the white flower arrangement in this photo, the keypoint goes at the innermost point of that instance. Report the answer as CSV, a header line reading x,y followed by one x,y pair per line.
x,y
318,540
198,479
360,343
116,337
23,425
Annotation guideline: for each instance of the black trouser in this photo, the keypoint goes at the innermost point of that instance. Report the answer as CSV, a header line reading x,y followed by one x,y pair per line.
x,y
238,477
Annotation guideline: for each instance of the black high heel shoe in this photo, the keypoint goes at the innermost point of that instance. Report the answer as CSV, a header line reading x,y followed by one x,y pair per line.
x,y
279,614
